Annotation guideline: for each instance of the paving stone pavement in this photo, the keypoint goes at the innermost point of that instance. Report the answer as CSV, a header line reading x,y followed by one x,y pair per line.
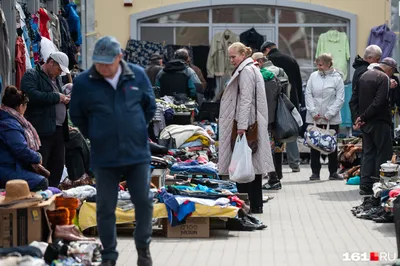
x,y
308,224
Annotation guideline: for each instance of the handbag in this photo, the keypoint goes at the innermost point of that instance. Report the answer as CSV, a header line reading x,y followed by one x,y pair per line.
x,y
170,143
322,140
252,130
287,129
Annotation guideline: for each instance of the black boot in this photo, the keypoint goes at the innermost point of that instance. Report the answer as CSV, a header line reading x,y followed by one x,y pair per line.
x,y
144,258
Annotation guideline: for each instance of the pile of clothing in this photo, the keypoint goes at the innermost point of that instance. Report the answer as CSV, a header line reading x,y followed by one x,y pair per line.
x,y
181,199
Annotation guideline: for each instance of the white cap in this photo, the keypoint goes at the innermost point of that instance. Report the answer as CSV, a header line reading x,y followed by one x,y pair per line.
x,y
62,60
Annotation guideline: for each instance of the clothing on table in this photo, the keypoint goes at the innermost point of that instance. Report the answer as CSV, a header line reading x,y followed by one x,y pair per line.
x,y
252,39
384,38
218,63
337,44
139,52
20,61
315,157
5,63
207,202
169,51
44,18
81,192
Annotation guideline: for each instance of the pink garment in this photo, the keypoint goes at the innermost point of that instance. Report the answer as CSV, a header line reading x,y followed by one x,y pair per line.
x,y
44,18
394,193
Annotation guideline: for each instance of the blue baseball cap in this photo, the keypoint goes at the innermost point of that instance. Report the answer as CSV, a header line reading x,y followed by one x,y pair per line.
x,y
106,50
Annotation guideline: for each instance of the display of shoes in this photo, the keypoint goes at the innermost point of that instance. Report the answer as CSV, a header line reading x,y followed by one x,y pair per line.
x,y
240,224
70,233
255,221
365,190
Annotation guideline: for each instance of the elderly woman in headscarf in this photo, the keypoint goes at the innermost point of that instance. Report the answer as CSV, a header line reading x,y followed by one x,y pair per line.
x,y
19,143
243,97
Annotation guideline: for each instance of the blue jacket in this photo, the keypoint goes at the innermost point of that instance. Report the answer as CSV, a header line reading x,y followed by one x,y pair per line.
x,y
74,23
115,121
15,153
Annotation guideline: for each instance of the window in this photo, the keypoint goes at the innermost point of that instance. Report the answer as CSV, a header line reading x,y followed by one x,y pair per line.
x,y
293,16
191,35
296,41
157,34
244,15
199,16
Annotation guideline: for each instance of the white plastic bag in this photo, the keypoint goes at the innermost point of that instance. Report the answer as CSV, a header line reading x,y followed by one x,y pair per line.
x,y
241,168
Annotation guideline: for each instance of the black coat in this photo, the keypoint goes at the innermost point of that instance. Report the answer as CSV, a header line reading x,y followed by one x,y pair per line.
x,y
252,39
292,69
360,66
41,111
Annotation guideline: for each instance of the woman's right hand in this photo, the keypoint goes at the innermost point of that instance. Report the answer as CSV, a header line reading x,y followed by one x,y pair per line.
x,y
317,117
240,132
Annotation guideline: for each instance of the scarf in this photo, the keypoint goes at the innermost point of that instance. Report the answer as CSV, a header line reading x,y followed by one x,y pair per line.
x,y
325,73
30,133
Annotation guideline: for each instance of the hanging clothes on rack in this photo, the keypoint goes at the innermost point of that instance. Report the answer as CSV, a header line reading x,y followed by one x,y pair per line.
x,y
44,19
139,52
384,38
67,44
252,39
218,60
25,35
74,22
36,40
55,31
5,63
337,44
20,59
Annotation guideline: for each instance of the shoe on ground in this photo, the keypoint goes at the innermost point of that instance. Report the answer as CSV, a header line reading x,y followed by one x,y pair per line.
x,y
314,177
144,257
255,221
272,186
366,190
240,224
296,169
386,218
335,176
108,263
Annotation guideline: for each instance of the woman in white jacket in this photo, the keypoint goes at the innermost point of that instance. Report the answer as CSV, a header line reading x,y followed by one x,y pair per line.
x,y
324,99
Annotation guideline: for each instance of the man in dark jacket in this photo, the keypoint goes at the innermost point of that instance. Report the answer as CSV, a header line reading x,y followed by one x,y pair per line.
x,y
292,69
154,68
112,104
372,55
375,120
178,78
47,111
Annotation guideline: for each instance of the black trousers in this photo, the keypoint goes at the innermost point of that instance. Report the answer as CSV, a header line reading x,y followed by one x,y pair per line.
x,y
377,149
53,154
276,176
254,190
332,158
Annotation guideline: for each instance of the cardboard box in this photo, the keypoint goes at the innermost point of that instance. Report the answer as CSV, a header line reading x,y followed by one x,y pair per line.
x,y
20,227
195,227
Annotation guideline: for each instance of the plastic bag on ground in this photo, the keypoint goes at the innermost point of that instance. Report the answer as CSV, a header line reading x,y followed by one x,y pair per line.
x,y
241,168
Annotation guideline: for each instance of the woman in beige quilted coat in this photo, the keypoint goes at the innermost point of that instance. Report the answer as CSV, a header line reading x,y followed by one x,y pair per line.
x,y
245,79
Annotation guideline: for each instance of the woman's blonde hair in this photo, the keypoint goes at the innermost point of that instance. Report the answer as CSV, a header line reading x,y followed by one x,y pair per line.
x,y
325,58
241,49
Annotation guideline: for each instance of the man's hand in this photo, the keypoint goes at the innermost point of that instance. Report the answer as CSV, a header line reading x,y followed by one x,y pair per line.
x,y
358,124
240,132
393,83
62,97
67,99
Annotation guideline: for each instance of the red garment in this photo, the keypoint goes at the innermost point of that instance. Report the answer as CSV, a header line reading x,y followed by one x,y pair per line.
x,y
20,63
43,19
394,193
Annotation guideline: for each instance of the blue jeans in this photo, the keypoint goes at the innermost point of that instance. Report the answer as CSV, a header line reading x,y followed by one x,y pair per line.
x,y
292,154
138,181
